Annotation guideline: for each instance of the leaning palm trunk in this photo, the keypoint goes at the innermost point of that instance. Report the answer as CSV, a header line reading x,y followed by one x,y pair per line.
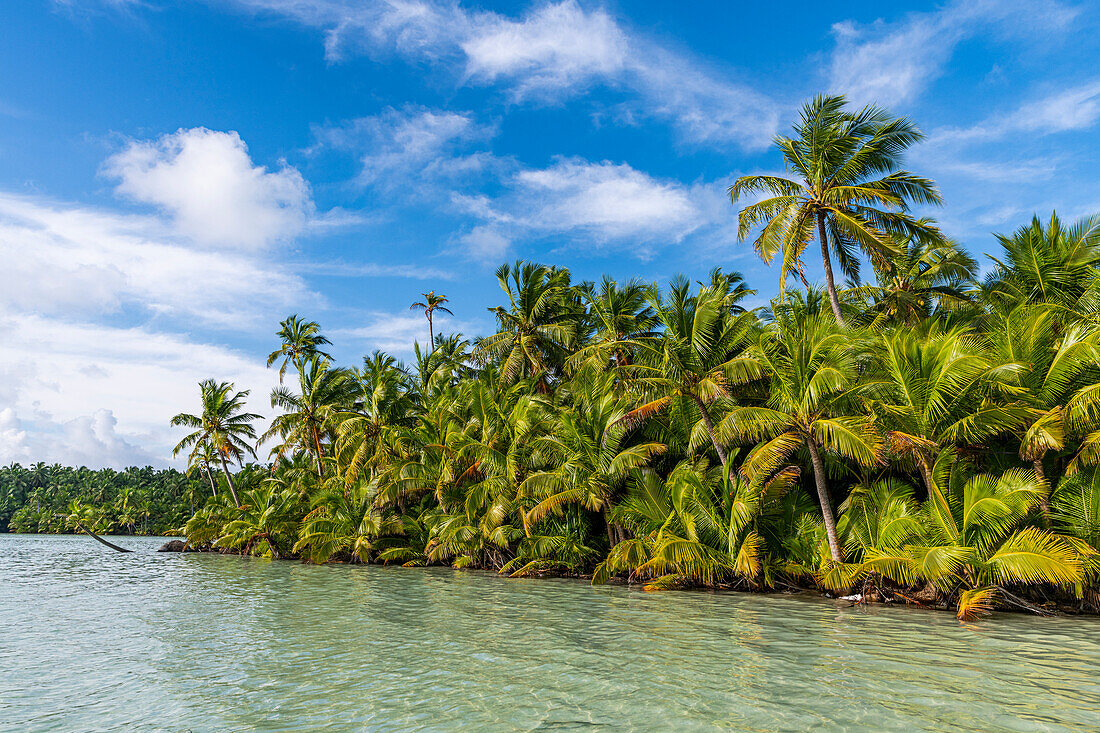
x,y
210,478
710,430
229,480
828,265
823,498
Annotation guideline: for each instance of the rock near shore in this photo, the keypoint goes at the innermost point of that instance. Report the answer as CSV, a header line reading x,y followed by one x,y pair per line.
x,y
172,546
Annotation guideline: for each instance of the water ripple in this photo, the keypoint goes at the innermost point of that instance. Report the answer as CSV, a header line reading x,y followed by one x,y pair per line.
x,y
92,640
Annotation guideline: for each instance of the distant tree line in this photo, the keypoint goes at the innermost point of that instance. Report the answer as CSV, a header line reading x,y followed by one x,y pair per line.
x,y
53,499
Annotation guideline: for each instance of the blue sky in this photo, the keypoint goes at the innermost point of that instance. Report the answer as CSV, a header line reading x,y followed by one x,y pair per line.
x,y
175,178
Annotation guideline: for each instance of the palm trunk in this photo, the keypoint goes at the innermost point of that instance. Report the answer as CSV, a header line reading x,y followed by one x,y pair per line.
x,y
823,498
926,473
317,446
431,334
229,480
1044,496
210,478
710,430
828,264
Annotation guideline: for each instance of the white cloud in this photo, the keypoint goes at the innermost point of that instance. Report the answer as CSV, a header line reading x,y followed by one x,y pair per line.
x,y
139,379
1075,108
14,447
601,204
412,143
206,181
66,259
893,63
611,201
395,333
554,47
486,243
553,51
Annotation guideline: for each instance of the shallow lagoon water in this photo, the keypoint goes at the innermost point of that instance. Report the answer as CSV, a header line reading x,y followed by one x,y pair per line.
x,y
96,640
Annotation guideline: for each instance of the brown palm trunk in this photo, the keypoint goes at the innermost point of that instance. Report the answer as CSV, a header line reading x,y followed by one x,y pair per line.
x,y
823,498
1044,496
229,480
828,264
317,445
926,473
710,429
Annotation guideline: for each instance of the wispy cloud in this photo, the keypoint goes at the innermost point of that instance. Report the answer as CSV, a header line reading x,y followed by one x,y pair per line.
x,y
893,63
603,204
554,51
396,146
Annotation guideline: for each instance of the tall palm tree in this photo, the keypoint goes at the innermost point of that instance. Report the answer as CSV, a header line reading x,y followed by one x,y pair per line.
x,y
539,326
309,416
301,340
700,357
430,305
221,424
848,185
813,382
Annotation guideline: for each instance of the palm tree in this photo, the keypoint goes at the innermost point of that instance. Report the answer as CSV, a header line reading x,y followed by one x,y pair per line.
x,y
309,416
538,327
941,388
813,382
700,357
848,185
590,455
922,279
221,424
973,544
1051,264
1058,368
430,305
620,314
301,340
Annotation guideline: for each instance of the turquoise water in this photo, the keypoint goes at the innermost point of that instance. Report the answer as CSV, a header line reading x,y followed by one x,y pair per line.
x,y
91,639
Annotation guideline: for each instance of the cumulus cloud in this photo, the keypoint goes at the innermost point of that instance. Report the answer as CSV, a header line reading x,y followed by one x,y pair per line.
x,y
554,47
206,181
140,379
395,333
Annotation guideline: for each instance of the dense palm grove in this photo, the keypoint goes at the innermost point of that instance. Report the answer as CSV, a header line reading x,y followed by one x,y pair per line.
x,y
53,499
924,436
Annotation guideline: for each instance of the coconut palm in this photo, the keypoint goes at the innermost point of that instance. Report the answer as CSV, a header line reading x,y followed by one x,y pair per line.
x,y
591,456
1052,264
264,524
847,185
1058,369
309,416
539,326
384,402
430,305
347,524
921,279
222,425
813,382
974,543
695,528
301,341
938,387
620,314
700,358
